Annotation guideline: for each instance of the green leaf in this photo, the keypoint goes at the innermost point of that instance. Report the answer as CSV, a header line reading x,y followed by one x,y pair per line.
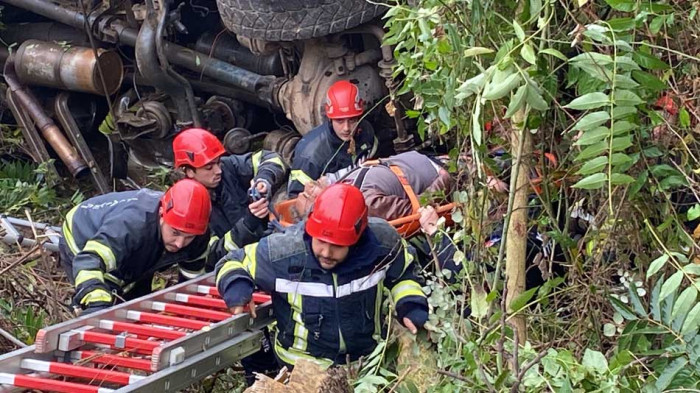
x,y
517,101
555,53
535,100
620,127
594,361
471,86
591,182
622,111
609,330
622,5
655,303
684,303
593,166
649,62
476,125
518,31
635,300
671,285
621,143
649,81
692,321
592,58
494,91
621,178
444,115
656,24
622,308
657,264
593,136
620,158
589,101
622,24
684,118
479,304
625,82
693,212
528,54
669,373
477,50
626,98
522,299
592,151
591,120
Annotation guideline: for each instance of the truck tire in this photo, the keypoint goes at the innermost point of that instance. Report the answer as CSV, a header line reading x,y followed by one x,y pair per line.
x,y
289,20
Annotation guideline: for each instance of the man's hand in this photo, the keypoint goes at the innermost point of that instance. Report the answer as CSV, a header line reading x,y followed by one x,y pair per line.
x,y
259,208
262,187
428,220
240,309
409,325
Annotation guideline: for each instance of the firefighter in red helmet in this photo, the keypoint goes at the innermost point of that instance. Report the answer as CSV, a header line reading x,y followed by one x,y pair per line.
x,y
342,141
112,244
200,155
326,276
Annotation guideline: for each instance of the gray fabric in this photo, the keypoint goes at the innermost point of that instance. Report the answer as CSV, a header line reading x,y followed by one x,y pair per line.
x,y
419,170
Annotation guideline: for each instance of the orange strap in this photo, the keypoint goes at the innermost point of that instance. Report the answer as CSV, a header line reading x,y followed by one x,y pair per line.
x,y
415,205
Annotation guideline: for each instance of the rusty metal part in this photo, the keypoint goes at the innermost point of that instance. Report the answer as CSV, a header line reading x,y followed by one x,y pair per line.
x,y
227,48
259,47
282,142
303,98
68,68
150,118
43,31
222,114
65,117
48,128
237,140
37,150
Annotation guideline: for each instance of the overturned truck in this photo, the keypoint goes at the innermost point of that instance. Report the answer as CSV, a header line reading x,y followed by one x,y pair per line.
x,y
117,79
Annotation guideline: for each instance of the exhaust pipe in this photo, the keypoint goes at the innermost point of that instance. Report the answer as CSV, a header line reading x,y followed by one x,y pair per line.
x,y
49,130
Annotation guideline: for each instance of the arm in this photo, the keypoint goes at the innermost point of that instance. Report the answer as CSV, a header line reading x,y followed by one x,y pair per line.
x,y
406,292
268,166
240,270
303,172
193,265
388,207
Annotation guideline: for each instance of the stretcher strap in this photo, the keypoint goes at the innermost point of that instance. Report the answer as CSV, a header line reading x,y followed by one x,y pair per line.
x,y
415,205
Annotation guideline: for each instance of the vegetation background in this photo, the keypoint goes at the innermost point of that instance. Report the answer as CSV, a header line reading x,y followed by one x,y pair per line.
x,y
612,89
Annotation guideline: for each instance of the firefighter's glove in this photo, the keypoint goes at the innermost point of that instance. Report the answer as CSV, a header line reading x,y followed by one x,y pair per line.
x,y
416,313
94,297
238,293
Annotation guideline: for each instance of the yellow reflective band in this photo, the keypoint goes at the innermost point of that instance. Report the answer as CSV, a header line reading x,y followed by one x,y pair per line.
x,y
190,274
275,160
229,244
104,252
256,162
406,288
213,240
85,275
300,176
301,333
291,355
228,267
97,295
68,231
250,262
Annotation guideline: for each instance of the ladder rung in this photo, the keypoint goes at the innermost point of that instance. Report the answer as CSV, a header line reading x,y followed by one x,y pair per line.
x,y
144,330
50,385
167,320
258,297
200,300
190,311
111,360
71,370
119,342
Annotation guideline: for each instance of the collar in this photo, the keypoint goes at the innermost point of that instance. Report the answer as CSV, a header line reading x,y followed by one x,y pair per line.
x,y
362,254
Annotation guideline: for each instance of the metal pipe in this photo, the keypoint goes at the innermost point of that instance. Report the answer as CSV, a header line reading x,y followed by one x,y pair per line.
x,y
147,63
48,128
73,68
225,47
43,31
178,55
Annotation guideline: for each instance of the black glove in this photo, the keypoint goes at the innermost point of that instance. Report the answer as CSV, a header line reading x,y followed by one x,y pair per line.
x,y
416,313
95,307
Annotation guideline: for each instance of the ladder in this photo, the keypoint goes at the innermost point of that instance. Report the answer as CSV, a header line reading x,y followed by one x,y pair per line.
x,y
162,342
19,231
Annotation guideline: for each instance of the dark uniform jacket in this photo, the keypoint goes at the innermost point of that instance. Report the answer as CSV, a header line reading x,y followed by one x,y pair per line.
x,y
325,315
230,198
113,240
321,151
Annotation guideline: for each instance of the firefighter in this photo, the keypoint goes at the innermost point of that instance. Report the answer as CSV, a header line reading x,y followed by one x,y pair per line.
x,y
112,244
234,216
326,277
342,141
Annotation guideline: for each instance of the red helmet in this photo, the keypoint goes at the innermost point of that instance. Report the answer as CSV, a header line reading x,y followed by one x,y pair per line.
x,y
343,101
339,215
196,147
186,207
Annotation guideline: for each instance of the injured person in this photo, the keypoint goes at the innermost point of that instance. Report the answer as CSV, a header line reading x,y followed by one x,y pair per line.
x,y
391,186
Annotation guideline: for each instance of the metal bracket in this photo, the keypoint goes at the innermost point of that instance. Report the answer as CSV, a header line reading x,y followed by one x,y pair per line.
x,y
13,235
